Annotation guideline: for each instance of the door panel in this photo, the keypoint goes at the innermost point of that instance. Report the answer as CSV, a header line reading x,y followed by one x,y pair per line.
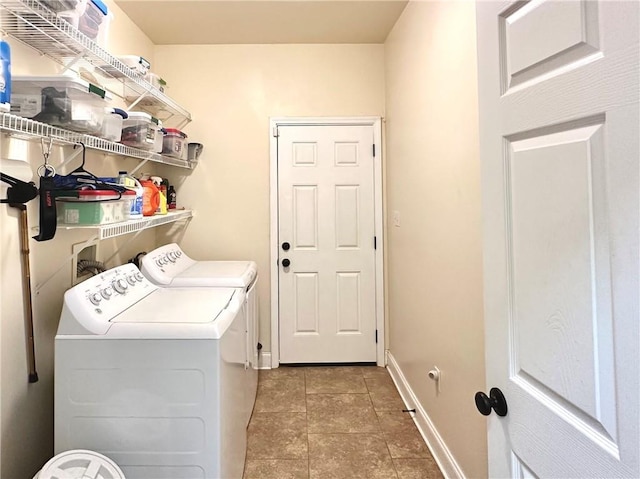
x,y
559,96
541,37
326,212
305,207
346,153
560,273
348,311
304,153
305,298
347,216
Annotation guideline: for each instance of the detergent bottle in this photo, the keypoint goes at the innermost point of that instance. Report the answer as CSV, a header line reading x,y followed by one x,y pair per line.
x,y
162,206
131,183
150,198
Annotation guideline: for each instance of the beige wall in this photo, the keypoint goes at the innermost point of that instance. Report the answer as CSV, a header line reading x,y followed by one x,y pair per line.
x,y
231,91
433,180
26,410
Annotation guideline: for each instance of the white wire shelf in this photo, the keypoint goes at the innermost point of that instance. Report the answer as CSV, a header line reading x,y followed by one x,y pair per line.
x,y
27,129
118,229
33,24
132,226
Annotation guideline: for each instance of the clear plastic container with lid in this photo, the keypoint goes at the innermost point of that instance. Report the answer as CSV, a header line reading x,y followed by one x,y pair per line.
x,y
137,63
140,130
91,17
61,100
157,148
156,81
112,124
174,143
94,207
129,206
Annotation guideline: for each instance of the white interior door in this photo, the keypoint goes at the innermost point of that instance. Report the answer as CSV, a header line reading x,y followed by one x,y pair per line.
x,y
559,147
326,218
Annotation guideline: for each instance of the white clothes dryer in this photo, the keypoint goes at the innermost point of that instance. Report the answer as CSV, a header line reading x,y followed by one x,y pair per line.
x,y
152,377
170,267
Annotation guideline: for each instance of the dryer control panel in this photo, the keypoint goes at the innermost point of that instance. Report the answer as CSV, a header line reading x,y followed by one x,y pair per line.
x,y
163,264
90,305
169,266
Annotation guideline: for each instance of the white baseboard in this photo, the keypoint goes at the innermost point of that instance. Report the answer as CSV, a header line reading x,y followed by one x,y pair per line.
x,y
264,362
437,446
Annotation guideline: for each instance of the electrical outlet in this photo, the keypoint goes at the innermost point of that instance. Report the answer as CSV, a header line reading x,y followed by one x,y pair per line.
x,y
396,218
85,250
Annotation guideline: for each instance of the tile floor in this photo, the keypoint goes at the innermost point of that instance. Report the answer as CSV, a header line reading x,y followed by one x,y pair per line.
x,y
340,422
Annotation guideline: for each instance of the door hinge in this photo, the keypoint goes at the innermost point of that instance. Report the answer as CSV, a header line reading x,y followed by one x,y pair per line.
x,y
375,242
376,336
374,150
275,131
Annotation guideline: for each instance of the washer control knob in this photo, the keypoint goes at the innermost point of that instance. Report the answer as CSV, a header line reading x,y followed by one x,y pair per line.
x,y
178,253
120,285
171,257
106,293
139,276
131,279
95,298
159,262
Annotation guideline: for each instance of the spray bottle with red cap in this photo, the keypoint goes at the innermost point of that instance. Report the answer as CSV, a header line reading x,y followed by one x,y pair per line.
x,y
162,189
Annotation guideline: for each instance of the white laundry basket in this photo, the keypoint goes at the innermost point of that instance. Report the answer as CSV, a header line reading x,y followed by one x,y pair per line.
x,y
80,464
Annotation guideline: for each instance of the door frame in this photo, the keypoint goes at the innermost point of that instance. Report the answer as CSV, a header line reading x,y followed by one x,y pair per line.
x,y
376,123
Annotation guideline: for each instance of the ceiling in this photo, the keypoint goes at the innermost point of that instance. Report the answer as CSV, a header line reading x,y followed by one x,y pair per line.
x,y
263,21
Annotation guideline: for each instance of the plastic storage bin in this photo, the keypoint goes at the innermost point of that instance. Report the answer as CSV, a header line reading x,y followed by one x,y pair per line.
x,y
133,95
91,17
130,198
63,101
112,124
94,207
140,130
62,5
194,150
157,148
136,63
174,143
156,81
95,22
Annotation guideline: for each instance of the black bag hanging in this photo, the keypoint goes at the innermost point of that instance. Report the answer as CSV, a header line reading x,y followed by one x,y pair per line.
x,y
48,220
46,172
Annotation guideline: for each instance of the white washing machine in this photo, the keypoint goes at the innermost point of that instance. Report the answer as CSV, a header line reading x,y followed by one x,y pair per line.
x,y
152,377
169,267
